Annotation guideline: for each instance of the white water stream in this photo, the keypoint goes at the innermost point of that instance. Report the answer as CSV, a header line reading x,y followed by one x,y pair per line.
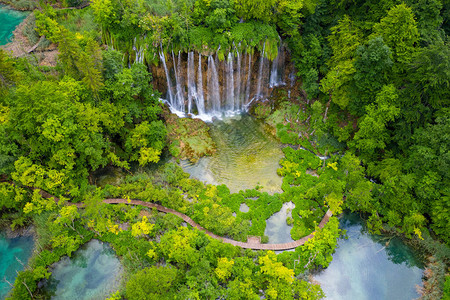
x,y
229,87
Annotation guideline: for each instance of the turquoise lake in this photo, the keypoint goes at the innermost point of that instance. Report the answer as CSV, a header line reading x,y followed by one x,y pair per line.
x,y
93,272
367,266
9,19
13,253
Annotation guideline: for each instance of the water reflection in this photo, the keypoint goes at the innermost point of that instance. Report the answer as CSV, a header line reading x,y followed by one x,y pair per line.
x,y
366,266
93,272
276,227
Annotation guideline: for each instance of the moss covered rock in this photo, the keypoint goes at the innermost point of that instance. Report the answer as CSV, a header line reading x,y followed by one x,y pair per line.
x,y
188,138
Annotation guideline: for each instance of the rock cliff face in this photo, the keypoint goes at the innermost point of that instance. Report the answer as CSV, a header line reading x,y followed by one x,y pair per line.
x,y
201,84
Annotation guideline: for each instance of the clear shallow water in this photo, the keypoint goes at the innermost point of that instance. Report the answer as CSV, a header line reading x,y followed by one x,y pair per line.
x,y
246,156
93,272
365,267
276,227
9,19
244,207
11,252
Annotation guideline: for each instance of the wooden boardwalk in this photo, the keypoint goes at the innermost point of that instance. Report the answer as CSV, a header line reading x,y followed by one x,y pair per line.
x,y
252,244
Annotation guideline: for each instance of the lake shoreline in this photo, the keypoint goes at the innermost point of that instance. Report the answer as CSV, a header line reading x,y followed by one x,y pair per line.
x,y
25,231
13,7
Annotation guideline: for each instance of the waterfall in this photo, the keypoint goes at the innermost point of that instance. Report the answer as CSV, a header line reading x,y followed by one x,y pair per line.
x,y
292,78
276,73
230,82
180,94
192,89
229,87
213,86
238,81
249,74
169,83
179,98
200,98
260,71
139,53
222,65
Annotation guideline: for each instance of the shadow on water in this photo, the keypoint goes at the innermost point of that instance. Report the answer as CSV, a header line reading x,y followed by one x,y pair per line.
x,y
93,272
246,156
367,266
13,253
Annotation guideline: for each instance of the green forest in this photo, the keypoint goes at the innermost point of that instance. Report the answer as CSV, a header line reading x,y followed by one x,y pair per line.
x,y
374,97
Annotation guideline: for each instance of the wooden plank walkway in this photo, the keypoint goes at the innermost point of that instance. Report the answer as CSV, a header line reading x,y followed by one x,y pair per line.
x,y
252,244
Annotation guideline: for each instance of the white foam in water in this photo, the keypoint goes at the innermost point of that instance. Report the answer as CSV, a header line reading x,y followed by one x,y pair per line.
x,y
223,96
209,117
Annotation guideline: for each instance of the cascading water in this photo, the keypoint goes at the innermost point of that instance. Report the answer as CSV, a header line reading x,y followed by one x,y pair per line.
x,y
169,83
276,74
292,79
139,51
200,98
192,89
238,82
260,72
180,94
230,83
228,87
177,103
213,87
249,74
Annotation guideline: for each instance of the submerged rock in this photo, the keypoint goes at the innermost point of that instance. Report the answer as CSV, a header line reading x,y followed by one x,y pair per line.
x,y
188,138
93,272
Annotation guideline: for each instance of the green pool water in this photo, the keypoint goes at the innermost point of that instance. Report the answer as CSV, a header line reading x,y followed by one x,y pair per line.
x,y
367,267
14,254
9,19
93,272
246,156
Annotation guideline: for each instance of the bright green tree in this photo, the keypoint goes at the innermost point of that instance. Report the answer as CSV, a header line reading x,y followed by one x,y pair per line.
x,y
400,33
152,283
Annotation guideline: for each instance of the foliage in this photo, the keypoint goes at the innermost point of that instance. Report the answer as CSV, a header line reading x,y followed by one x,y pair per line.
x,y
376,86
400,33
317,251
151,283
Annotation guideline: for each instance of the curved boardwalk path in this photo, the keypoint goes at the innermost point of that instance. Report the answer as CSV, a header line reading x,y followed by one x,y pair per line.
x,y
252,244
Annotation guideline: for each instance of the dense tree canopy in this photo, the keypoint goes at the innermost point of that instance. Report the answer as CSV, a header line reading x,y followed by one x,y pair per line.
x,y
371,99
